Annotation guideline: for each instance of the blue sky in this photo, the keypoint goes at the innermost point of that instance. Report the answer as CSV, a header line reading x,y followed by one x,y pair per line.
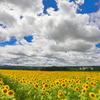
x,y
20,28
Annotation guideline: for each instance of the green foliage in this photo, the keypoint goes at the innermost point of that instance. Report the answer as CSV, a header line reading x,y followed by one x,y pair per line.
x,y
54,68
73,69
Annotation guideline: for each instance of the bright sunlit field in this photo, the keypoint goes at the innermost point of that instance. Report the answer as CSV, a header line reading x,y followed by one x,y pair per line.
x,y
43,85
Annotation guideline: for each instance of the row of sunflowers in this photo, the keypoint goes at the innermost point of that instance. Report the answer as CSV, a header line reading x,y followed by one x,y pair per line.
x,y
45,85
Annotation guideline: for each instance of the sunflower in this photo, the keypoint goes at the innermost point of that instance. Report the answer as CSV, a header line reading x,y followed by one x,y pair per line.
x,y
87,83
77,84
36,86
76,89
59,91
83,86
43,83
65,80
96,79
10,93
73,80
25,85
18,79
87,86
4,91
30,82
51,85
92,95
61,95
60,80
71,86
80,82
87,78
91,83
47,80
94,84
1,83
84,91
0,79
43,90
21,81
57,82
46,85
76,81
69,81
93,79
63,85
34,83
6,87
47,93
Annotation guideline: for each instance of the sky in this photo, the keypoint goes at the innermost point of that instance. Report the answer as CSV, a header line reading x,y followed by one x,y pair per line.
x,y
50,32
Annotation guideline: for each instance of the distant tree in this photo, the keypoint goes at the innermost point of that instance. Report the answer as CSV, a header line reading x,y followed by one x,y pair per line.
x,y
54,68
88,69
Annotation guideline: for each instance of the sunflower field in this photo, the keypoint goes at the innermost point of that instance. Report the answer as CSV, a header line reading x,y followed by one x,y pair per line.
x,y
45,85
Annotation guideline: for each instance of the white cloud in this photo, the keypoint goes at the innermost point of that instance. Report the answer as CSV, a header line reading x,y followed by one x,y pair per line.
x,y
6,18
70,45
80,2
60,31
25,5
95,19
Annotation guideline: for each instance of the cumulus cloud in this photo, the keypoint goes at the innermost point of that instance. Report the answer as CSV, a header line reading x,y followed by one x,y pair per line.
x,y
76,45
95,18
62,37
11,18
80,2
6,18
25,5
